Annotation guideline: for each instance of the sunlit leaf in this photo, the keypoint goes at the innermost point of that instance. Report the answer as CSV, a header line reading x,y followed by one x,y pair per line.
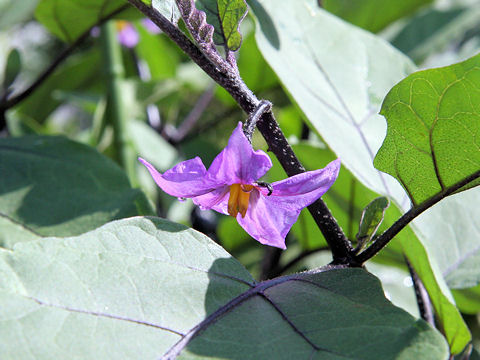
x,y
143,287
225,16
167,8
433,125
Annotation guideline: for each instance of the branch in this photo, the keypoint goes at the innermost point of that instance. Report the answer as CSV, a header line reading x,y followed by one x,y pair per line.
x,y
423,300
406,218
228,77
176,135
57,61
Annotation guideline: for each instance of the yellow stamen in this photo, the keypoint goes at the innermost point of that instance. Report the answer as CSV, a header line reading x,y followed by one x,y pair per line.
x,y
238,200
121,24
233,200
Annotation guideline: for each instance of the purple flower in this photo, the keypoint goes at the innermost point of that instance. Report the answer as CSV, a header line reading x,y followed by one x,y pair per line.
x,y
230,186
127,34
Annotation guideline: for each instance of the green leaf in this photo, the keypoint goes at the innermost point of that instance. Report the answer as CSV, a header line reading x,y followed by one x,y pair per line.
x,y
365,13
13,233
468,300
396,282
372,217
53,186
124,291
225,16
433,124
167,8
141,287
68,19
14,12
12,69
339,75
435,30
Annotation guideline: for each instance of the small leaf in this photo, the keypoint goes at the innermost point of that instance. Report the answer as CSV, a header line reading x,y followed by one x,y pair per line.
x,y
12,69
372,217
433,121
196,22
225,16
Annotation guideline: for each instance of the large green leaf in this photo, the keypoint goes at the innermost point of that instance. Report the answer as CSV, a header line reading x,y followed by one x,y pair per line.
x,y
68,19
433,128
141,287
225,16
53,186
338,75
366,13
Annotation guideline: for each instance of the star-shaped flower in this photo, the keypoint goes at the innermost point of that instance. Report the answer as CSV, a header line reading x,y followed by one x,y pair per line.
x,y
230,187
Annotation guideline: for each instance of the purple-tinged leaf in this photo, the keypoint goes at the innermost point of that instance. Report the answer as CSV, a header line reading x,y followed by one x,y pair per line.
x,y
196,22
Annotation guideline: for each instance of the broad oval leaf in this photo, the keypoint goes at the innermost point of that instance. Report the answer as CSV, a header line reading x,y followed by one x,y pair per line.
x,y
433,128
143,287
225,16
52,186
339,75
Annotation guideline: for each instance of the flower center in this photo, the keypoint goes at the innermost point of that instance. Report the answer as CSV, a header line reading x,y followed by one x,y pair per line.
x,y
238,200
121,24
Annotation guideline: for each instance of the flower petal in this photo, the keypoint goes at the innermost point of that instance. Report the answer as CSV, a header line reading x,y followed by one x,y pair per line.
x,y
238,163
270,218
301,190
186,179
128,35
216,200
266,224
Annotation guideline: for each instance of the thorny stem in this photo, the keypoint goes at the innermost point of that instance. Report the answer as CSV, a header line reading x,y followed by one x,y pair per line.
x,y
229,79
10,102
